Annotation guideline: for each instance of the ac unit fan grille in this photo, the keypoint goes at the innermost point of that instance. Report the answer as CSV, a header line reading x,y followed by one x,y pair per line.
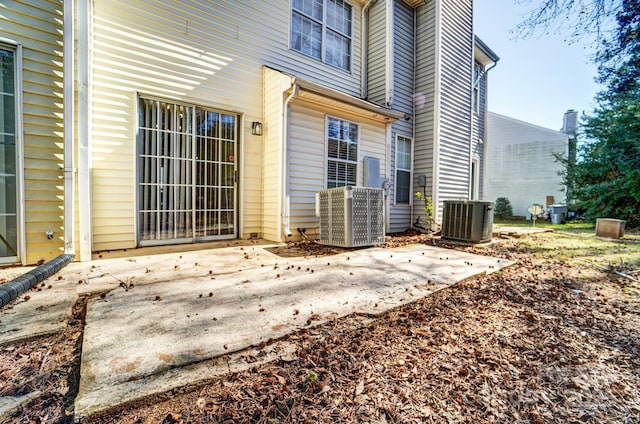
x,y
467,221
458,222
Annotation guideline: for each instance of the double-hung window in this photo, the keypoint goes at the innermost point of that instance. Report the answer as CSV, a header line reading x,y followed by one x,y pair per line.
x,y
342,153
323,29
403,170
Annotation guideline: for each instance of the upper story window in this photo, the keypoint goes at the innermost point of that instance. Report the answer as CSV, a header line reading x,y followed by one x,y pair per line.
x,y
342,153
477,74
403,170
322,29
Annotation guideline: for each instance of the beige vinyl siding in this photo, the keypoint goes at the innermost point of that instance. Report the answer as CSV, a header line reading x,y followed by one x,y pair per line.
x,y
37,25
201,52
275,83
272,36
455,105
403,57
403,87
427,68
376,69
308,156
307,164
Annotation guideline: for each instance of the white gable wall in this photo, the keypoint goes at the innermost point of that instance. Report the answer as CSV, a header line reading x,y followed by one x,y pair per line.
x,y
454,158
520,164
427,97
403,98
201,52
308,157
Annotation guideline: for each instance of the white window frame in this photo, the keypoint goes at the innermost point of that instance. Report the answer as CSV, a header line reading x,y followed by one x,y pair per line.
x,y
325,29
19,152
225,181
410,170
329,159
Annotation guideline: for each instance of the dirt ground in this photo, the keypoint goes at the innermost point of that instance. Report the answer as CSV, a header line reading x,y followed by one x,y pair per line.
x,y
554,338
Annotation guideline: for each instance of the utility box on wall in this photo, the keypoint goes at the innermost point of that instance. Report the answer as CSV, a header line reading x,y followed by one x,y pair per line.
x,y
470,221
351,216
371,172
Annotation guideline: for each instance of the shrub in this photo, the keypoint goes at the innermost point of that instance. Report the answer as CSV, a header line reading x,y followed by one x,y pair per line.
x,y
428,205
502,208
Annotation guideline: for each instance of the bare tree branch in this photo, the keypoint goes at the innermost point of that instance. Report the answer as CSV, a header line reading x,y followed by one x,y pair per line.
x,y
575,18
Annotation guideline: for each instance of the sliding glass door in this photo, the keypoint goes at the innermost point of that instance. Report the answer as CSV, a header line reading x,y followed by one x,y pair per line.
x,y
8,176
187,173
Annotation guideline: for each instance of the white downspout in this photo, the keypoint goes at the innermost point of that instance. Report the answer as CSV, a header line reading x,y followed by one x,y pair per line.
x,y
485,139
471,116
286,196
84,128
388,170
389,57
436,113
68,120
413,114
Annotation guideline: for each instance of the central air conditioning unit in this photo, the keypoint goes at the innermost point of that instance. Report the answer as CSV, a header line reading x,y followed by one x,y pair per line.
x,y
470,221
351,216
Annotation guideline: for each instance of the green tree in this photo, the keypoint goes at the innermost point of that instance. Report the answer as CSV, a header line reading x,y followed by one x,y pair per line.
x,y
502,208
619,55
605,179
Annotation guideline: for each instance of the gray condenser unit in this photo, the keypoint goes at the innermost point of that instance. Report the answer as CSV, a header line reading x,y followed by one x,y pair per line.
x,y
470,221
351,216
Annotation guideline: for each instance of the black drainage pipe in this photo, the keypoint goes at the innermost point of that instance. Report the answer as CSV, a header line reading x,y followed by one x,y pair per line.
x,y
21,284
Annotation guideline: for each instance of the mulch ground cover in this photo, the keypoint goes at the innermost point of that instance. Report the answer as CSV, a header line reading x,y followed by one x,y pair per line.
x,y
542,341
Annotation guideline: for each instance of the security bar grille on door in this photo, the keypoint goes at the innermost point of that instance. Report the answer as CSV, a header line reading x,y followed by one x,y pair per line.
x,y
186,173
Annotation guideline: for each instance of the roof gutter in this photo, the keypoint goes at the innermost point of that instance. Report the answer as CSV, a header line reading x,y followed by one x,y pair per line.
x,y
495,63
331,93
486,50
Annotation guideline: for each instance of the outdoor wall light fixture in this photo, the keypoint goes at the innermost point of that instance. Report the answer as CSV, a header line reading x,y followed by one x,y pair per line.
x,y
256,128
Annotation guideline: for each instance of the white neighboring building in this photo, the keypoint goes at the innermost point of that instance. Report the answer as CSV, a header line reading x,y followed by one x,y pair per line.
x,y
520,163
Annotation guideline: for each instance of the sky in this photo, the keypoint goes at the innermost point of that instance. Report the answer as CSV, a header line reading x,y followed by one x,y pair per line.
x,y
538,79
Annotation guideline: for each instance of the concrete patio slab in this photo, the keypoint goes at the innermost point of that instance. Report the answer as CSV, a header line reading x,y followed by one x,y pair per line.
x,y
164,321
41,311
166,329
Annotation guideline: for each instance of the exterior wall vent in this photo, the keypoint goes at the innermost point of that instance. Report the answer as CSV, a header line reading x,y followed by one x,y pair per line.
x,y
351,216
470,221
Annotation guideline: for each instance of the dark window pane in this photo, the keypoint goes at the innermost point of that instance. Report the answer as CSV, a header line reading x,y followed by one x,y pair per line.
x,y
403,185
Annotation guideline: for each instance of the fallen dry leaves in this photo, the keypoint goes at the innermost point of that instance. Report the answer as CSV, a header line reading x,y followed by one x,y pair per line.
x,y
48,366
539,342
